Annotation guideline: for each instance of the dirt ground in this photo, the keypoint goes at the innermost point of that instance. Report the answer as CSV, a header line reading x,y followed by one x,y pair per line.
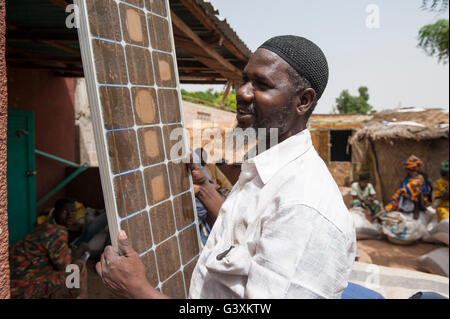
x,y
96,290
384,253
379,252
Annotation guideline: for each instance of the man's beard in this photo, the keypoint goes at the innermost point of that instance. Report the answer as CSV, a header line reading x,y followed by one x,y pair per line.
x,y
278,119
263,130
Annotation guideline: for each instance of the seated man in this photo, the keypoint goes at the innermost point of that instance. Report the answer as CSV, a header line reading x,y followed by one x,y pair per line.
x,y
440,193
364,196
38,262
411,197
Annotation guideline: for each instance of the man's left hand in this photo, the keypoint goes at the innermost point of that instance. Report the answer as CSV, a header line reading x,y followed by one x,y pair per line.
x,y
124,275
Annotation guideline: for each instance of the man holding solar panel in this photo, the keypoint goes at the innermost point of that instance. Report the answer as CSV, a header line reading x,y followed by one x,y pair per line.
x,y
284,230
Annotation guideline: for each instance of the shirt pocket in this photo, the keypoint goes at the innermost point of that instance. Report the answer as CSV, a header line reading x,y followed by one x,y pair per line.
x,y
236,262
232,270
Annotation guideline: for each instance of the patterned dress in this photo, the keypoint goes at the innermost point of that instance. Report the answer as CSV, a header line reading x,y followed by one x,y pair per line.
x,y
441,187
415,189
38,262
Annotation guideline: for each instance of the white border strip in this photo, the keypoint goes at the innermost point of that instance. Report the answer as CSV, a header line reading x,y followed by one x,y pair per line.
x,y
87,55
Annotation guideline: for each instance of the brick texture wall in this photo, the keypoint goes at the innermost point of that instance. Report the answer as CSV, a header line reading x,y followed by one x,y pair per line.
x,y
4,264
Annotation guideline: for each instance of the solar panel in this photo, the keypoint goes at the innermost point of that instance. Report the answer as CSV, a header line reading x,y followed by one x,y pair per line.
x,y
131,73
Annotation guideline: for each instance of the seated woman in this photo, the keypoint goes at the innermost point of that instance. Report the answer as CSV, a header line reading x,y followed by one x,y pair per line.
x,y
411,197
440,193
364,196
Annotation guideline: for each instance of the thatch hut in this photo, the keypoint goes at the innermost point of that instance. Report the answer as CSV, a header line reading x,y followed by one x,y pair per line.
x,y
390,137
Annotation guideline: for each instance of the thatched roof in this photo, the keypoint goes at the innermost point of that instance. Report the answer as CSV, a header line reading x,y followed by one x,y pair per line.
x,y
429,117
405,124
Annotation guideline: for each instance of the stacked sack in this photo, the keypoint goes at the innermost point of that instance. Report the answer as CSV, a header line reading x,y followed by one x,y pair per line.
x,y
364,229
437,261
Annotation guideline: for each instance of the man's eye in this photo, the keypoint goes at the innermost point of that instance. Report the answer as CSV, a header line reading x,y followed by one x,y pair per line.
x,y
263,86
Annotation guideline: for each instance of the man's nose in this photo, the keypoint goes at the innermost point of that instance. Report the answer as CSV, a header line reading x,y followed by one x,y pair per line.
x,y
245,92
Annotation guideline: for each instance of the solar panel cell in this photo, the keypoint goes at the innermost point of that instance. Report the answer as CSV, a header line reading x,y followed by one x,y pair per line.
x,y
150,141
159,33
133,25
150,267
139,65
103,17
168,100
145,106
184,213
188,244
174,286
116,107
165,76
109,62
138,228
168,255
130,193
123,151
156,6
173,139
188,270
157,184
162,217
178,176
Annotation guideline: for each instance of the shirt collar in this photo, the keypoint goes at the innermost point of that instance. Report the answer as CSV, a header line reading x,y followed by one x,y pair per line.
x,y
272,160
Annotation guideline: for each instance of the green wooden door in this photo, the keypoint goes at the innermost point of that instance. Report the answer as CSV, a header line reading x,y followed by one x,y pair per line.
x,y
21,177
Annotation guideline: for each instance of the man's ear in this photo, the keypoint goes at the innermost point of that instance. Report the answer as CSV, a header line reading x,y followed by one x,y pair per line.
x,y
305,100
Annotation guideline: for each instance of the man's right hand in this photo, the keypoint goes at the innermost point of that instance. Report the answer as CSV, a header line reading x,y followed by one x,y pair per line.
x,y
205,191
198,176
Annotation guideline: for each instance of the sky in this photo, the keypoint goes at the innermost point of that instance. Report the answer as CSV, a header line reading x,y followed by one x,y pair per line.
x,y
367,43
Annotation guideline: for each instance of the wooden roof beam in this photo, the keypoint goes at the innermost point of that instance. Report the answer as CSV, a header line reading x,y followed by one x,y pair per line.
x,y
192,68
201,16
204,47
52,43
59,3
202,75
203,78
199,54
19,55
47,67
63,38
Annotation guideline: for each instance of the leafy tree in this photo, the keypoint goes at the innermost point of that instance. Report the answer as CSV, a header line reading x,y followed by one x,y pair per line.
x,y
348,104
210,98
432,5
433,38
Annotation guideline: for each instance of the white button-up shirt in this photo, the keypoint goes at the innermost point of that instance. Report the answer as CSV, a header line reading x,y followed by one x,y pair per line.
x,y
291,232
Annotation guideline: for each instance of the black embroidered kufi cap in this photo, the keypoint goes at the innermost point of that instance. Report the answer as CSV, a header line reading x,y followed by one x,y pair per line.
x,y
304,57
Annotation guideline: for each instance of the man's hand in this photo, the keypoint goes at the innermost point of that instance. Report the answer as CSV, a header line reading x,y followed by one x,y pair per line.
x,y
205,192
125,275
198,176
